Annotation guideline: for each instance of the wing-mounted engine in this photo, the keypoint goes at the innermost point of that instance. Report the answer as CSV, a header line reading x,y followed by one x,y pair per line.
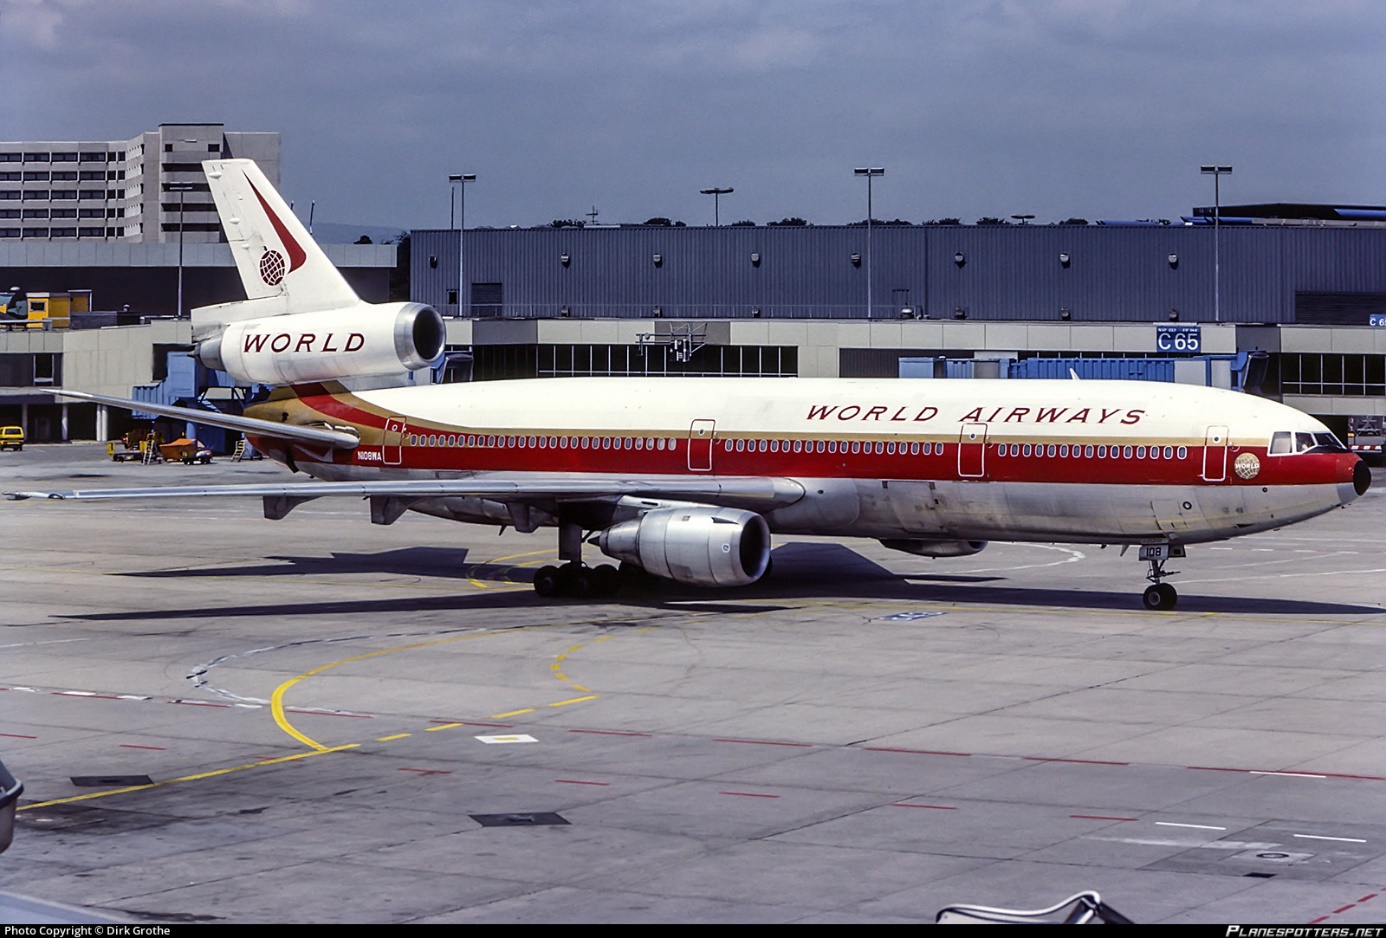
x,y
361,341
693,544
931,547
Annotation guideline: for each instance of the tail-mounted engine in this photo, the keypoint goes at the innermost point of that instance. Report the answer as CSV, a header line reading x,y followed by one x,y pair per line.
x,y
695,544
360,341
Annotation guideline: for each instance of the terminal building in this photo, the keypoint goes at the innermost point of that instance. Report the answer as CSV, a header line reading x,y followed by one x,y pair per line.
x,y
1296,311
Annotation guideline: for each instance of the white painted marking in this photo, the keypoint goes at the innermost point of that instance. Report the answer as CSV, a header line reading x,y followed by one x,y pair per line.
x,y
1207,844
1346,840
1074,557
1283,576
55,641
1292,774
497,740
1201,827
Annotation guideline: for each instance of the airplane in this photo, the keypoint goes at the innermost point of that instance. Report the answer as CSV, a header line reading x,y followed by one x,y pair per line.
x,y
687,478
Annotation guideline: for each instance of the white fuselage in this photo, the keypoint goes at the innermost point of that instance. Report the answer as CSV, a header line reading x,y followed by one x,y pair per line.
x,y
1080,461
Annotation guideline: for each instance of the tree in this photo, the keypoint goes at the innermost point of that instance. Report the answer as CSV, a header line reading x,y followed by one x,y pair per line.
x,y
794,221
1074,221
745,223
991,220
943,221
567,223
364,239
660,221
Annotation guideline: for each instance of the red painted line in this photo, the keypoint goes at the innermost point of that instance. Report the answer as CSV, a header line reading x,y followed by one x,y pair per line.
x,y
1075,761
616,733
1366,778
1215,768
1342,909
1368,897
323,713
936,807
18,736
574,781
200,703
426,771
765,742
747,794
915,752
503,726
1315,921
1100,817
133,746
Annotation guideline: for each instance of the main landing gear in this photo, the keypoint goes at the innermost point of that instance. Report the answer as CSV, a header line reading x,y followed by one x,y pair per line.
x,y
577,580
574,578
1160,596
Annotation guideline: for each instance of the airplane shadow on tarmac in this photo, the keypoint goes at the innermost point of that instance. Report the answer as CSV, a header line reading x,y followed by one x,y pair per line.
x,y
801,571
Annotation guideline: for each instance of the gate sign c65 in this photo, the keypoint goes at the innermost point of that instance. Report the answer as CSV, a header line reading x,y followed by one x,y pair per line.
x,y
1185,339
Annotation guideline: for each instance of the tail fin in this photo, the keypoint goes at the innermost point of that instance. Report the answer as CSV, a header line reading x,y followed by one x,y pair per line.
x,y
275,255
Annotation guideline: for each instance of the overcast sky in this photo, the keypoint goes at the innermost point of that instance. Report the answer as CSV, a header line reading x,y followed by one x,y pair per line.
x,y
1090,108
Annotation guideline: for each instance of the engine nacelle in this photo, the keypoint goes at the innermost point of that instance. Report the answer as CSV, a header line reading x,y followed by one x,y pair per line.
x,y
361,341
698,545
933,547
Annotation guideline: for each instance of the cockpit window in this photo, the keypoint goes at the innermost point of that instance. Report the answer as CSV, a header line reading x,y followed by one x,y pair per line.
x,y
1284,443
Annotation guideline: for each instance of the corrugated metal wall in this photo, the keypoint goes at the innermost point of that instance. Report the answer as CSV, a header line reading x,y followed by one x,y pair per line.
x,y
1007,272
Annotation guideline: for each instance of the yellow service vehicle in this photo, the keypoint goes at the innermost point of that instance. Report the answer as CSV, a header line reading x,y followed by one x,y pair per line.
x,y
11,438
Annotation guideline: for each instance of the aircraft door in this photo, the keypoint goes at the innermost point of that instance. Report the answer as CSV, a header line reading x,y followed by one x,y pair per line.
x,y
1215,455
392,444
700,434
972,450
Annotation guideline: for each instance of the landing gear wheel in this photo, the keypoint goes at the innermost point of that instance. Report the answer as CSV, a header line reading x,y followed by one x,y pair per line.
x,y
576,580
606,580
546,581
1161,596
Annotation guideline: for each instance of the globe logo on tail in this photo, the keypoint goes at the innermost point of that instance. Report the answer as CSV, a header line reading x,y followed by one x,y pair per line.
x,y
272,268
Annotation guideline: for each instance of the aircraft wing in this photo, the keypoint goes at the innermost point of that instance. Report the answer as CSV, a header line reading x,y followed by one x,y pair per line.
x,y
753,492
323,435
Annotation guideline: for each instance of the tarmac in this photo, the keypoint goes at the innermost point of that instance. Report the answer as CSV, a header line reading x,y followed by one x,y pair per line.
x,y
221,718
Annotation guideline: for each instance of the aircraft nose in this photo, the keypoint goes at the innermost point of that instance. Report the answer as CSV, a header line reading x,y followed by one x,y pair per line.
x,y
1354,479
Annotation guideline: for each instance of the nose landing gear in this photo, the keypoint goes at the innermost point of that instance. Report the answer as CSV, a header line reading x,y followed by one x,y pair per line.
x,y
1160,596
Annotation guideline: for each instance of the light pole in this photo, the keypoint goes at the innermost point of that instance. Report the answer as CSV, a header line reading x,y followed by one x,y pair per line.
x,y
870,172
1217,172
182,188
459,181
716,194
